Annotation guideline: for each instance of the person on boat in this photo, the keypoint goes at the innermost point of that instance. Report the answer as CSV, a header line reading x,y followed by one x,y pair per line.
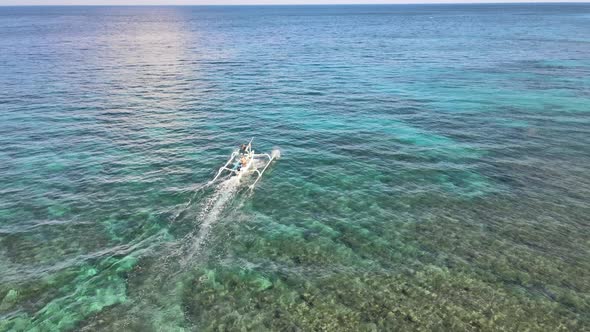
x,y
244,161
243,148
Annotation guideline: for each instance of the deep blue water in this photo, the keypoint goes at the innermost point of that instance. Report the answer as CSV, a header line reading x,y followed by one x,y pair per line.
x,y
434,171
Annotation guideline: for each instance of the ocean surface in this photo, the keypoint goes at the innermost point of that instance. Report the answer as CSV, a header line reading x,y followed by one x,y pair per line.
x,y
434,171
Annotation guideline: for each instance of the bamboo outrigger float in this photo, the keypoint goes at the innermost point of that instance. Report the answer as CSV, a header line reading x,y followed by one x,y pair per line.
x,y
244,161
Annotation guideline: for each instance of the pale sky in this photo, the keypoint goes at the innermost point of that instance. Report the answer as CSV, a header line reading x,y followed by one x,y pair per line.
x,y
243,2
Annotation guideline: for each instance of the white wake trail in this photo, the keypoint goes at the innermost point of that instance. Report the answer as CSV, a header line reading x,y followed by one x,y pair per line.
x,y
209,215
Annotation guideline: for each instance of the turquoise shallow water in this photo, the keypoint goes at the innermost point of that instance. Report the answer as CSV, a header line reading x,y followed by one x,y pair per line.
x,y
434,171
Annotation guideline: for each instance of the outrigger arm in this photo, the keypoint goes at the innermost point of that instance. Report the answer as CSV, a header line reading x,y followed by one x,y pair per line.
x,y
225,166
270,159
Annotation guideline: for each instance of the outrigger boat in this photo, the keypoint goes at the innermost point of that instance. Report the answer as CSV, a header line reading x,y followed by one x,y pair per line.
x,y
245,161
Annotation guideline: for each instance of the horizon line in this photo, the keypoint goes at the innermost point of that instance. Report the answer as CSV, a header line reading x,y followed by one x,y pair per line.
x,y
484,2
